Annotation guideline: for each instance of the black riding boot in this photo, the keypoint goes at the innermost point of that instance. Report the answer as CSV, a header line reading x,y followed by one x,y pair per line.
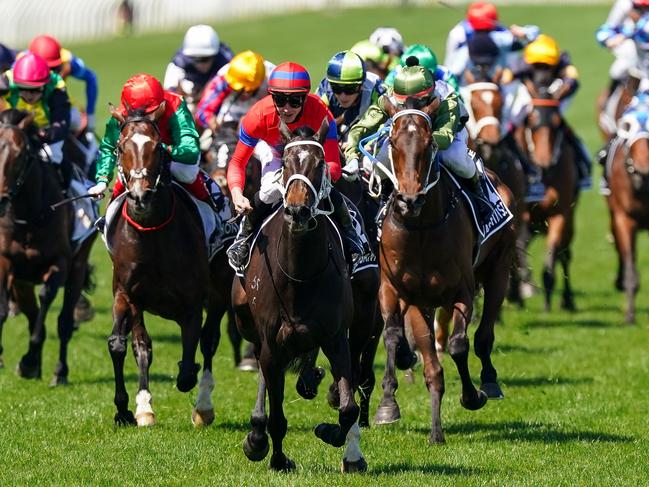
x,y
239,251
484,206
355,247
64,171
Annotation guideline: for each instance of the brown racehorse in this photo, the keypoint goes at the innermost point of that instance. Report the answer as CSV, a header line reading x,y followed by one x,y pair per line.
x,y
160,265
427,261
35,243
610,106
548,148
629,208
296,298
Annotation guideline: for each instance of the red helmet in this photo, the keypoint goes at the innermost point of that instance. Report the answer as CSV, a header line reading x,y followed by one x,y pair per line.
x,y
482,16
640,3
289,77
48,48
142,92
31,71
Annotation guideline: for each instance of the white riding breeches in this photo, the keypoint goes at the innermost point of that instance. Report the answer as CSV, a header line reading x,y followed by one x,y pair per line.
x,y
271,172
184,173
626,57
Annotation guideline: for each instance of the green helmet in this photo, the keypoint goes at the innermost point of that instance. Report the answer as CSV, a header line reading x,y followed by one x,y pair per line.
x,y
423,53
413,81
369,51
346,67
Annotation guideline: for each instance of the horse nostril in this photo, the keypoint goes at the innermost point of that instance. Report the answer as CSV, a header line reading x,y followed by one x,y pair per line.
x,y
304,212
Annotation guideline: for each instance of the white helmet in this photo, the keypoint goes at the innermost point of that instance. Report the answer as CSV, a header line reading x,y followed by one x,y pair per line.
x,y
389,39
201,41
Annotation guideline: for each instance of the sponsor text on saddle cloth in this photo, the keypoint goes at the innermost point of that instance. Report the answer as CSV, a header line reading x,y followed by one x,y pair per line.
x,y
86,210
497,218
218,231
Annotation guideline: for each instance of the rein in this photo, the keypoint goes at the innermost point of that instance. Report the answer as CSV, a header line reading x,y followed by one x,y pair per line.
x,y
142,228
474,125
295,279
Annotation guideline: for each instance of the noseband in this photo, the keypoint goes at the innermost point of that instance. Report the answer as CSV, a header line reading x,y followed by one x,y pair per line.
x,y
140,173
325,184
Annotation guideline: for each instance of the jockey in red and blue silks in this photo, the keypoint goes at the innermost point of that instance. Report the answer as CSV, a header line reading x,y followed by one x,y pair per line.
x,y
290,102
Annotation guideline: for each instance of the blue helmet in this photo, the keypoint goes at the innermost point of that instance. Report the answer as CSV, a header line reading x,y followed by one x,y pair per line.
x,y
346,67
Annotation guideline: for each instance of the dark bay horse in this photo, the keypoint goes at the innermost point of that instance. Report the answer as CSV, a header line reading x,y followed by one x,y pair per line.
x,y
629,208
296,298
427,262
546,144
35,243
160,265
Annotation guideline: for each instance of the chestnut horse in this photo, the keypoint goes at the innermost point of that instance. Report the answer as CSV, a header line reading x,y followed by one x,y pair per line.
x,y
160,265
35,245
548,148
629,208
297,297
427,256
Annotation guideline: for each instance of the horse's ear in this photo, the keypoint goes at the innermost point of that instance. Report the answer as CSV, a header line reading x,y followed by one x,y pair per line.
x,y
116,114
469,77
432,107
27,119
389,107
158,112
321,136
285,131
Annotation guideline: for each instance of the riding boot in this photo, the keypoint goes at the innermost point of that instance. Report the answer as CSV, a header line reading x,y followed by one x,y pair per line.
x,y
239,251
64,171
583,161
484,206
355,247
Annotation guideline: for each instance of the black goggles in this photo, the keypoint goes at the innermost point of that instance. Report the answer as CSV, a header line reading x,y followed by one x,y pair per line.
x,y
34,90
294,100
346,89
201,60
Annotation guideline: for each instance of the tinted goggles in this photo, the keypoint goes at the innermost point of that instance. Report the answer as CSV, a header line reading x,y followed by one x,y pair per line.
x,y
346,89
201,60
293,100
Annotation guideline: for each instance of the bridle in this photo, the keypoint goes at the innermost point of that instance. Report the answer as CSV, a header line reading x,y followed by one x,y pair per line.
x,y
26,159
475,126
552,105
318,194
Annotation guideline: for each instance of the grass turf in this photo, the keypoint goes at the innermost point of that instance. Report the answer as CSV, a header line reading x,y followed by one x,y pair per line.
x,y
576,403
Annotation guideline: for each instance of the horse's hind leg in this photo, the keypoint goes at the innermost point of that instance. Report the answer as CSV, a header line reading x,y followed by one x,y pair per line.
x,y
255,445
433,372
143,352
556,228
122,322
367,379
190,332
625,241
442,320
310,377
4,300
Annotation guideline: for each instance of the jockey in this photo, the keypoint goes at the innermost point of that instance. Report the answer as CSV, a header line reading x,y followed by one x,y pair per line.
x,y
289,102
376,61
32,87
427,59
348,90
483,17
143,93
66,64
231,93
199,59
390,41
449,135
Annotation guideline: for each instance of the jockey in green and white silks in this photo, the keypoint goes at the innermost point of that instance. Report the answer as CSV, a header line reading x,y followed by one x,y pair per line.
x,y
449,134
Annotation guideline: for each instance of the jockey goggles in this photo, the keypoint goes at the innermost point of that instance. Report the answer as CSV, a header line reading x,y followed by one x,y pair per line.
x,y
293,100
201,60
346,89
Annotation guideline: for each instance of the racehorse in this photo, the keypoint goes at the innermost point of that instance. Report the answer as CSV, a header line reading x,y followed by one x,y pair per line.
x,y
35,243
297,297
629,209
160,265
548,148
485,101
611,105
427,252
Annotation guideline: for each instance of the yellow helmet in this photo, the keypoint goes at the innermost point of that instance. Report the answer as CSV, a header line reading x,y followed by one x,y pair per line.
x,y
543,50
246,71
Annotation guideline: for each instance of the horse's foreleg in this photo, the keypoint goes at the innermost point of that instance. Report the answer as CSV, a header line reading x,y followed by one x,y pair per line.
x,y
255,446
388,411
625,241
277,425
4,299
556,228
367,379
458,349
143,352
523,239
433,372
190,332
442,320
122,323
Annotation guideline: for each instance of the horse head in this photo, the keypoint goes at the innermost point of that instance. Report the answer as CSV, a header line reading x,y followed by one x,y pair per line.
x,y
16,154
143,162
485,102
412,153
543,126
305,179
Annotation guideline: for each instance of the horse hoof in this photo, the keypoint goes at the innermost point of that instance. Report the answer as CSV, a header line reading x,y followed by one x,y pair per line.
x,y
59,380
387,414
405,360
187,376
83,311
28,372
145,419
284,465
309,390
202,418
475,403
436,438
126,419
248,365
358,466
255,453
492,390
568,305
330,434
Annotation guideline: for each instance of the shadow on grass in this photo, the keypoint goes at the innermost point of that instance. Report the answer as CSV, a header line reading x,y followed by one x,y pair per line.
x,y
244,426
509,348
401,468
127,378
550,322
540,381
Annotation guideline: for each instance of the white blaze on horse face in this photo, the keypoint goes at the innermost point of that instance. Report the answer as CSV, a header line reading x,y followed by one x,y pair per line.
x,y
302,155
140,140
412,127
487,97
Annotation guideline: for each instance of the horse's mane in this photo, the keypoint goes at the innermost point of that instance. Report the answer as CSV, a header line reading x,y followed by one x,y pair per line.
x,y
13,116
304,131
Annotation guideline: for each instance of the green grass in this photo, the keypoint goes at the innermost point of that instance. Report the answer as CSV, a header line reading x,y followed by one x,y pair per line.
x,y
575,384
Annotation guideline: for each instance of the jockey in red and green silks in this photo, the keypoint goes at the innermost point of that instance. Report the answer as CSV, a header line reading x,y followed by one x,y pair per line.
x,y
143,93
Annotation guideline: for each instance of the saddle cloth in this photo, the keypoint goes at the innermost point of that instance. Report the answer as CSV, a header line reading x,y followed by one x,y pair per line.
x,y
216,228
86,211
